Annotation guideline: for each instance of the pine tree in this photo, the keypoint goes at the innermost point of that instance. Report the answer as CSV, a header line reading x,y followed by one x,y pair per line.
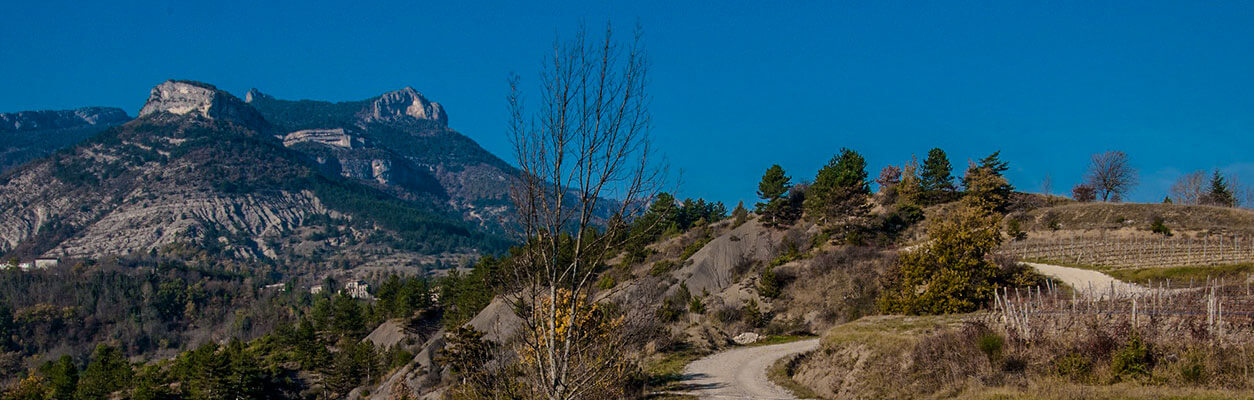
x,y
768,284
910,189
840,190
740,214
986,186
775,184
936,178
1220,194
107,372
62,377
7,328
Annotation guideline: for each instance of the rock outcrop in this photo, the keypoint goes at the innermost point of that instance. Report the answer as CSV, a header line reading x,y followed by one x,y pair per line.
x,y
400,140
201,168
196,98
330,137
401,104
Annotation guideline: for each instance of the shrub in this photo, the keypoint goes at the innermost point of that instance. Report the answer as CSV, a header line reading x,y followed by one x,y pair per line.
x,y
991,344
729,314
662,267
695,305
1051,221
694,247
669,311
1159,227
768,284
1073,366
950,274
752,315
1014,364
606,282
1192,368
1134,360
1015,231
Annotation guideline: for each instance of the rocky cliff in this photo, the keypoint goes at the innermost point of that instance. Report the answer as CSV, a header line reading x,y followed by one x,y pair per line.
x,y
199,99
399,142
201,168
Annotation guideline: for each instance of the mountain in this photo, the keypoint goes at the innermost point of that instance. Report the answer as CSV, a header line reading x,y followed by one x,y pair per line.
x,y
399,142
202,168
28,135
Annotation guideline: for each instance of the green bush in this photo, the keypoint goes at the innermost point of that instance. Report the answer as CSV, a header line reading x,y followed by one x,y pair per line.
x,y
991,344
1193,368
1134,360
1073,366
753,315
1015,230
606,282
1159,227
695,305
662,267
768,284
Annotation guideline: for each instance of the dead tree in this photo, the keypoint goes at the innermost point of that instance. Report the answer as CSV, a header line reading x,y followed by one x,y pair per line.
x,y
1111,175
587,143
1188,188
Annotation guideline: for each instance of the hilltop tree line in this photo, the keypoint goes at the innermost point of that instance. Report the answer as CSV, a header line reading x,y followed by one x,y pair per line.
x,y
1110,177
953,271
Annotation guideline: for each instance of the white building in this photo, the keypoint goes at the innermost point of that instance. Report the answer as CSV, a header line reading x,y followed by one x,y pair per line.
x,y
357,290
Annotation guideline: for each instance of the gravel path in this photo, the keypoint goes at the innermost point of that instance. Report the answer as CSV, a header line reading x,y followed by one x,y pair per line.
x,y
1086,281
741,373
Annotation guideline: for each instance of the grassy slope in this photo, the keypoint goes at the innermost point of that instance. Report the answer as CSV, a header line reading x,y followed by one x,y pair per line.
x,y
873,357
1087,216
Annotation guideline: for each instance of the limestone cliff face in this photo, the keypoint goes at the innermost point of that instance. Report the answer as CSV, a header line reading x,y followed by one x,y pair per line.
x,y
400,141
202,99
401,104
197,169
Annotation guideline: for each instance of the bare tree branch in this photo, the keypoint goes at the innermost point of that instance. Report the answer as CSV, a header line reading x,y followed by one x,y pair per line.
x,y
586,144
1111,175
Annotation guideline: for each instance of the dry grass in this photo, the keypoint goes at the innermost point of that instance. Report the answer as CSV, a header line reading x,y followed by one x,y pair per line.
x,y
969,356
834,286
781,374
1114,216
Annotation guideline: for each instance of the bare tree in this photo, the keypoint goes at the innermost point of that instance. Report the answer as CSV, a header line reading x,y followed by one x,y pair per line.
x,y
1189,188
1111,175
587,142
1241,193
1047,185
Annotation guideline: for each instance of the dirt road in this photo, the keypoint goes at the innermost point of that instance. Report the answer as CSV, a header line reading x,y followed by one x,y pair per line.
x,y
1087,282
741,373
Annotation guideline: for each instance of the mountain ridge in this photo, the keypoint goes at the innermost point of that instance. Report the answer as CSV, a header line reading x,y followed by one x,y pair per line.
x,y
199,166
28,135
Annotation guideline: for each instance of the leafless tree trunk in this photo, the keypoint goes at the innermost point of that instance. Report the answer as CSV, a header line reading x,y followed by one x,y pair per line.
x,y
1241,194
1188,189
1111,175
588,142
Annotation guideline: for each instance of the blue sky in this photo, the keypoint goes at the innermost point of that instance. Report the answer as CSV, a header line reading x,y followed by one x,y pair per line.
x,y
737,86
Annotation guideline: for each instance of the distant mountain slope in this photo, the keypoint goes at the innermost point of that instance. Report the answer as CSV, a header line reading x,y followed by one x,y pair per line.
x,y
400,142
201,167
28,135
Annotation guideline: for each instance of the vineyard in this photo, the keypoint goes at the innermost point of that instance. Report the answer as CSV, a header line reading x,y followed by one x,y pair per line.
x,y
1219,311
1136,252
